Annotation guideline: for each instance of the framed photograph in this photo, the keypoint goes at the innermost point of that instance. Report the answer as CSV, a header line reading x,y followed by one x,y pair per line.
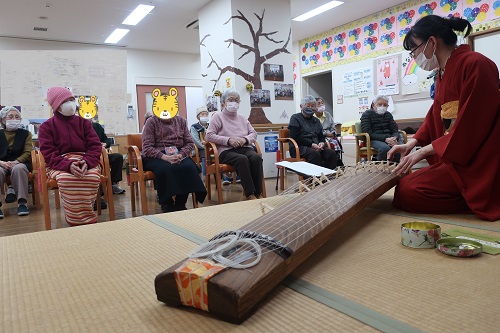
x,y
260,98
273,72
283,91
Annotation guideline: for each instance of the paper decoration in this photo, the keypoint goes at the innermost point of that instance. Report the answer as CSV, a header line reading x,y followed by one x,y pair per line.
x,y
371,39
388,75
476,11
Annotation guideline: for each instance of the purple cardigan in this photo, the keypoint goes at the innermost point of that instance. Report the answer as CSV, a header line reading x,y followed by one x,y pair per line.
x,y
60,135
158,134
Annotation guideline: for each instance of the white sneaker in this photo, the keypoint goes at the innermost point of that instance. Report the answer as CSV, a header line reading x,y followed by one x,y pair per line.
x,y
117,189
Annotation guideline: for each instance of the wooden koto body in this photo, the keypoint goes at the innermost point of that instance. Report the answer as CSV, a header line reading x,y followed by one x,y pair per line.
x,y
303,224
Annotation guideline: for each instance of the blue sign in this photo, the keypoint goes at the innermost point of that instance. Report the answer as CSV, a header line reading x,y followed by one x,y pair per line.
x,y
271,143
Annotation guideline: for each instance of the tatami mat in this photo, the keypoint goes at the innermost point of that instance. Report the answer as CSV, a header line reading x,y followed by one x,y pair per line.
x,y
366,263
99,278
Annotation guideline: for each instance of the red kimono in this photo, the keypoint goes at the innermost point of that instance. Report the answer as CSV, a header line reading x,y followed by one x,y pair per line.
x,y
463,126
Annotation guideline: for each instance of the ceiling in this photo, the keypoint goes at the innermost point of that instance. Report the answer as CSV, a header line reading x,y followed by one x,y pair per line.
x,y
164,29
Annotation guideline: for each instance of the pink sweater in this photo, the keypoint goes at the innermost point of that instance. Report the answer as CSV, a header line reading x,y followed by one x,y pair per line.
x,y
225,125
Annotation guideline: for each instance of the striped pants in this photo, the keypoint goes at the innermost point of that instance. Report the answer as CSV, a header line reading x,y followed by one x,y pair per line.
x,y
78,194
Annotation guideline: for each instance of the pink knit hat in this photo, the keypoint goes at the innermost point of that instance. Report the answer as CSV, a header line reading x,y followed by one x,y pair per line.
x,y
57,95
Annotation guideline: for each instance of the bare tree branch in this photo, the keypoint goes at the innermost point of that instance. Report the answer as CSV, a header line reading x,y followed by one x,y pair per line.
x,y
280,50
201,41
236,71
266,35
243,46
244,54
260,18
244,19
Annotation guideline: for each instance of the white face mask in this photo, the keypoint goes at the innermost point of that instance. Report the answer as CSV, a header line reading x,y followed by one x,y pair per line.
x,y
232,106
203,120
12,124
427,64
68,108
381,109
321,109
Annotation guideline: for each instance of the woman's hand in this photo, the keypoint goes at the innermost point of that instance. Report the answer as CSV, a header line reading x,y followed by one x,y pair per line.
x,y
172,159
407,162
392,141
78,168
237,142
318,147
4,165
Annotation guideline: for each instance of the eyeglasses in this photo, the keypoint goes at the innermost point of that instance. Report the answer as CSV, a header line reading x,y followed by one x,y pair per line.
x,y
412,53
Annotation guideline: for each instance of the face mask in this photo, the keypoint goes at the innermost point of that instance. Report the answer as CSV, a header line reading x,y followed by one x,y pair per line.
x,y
204,120
232,106
12,124
427,64
308,111
381,109
68,108
321,109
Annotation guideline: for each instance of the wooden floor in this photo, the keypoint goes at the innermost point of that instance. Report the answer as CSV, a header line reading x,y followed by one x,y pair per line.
x,y
12,224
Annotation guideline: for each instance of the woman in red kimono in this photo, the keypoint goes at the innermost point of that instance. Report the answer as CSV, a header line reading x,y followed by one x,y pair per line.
x,y
461,132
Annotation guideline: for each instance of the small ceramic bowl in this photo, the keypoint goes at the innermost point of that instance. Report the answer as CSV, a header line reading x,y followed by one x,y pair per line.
x,y
459,247
420,235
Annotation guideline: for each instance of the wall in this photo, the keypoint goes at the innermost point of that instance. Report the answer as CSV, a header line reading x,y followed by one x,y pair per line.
x,y
143,67
366,40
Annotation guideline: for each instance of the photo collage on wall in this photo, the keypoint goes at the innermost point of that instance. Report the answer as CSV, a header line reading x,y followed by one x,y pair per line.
x,y
282,91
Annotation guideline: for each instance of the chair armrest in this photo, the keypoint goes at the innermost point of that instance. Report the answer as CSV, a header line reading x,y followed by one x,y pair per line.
x,y
211,152
134,153
405,136
292,141
366,138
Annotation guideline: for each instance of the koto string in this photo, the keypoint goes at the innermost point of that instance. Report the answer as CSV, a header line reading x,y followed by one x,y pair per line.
x,y
246,250
319,200
303,215
331,207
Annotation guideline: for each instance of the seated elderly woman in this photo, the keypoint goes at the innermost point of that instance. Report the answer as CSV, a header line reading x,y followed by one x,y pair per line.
x,y
382,128
328,124
15,159
71,149
234,138
166,151
307,131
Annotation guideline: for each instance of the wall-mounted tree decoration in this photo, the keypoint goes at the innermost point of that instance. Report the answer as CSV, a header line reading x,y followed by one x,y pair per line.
x,y
257,115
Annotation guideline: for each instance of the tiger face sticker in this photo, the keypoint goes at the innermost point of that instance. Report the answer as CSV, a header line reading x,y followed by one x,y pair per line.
x,y
165,106
88,106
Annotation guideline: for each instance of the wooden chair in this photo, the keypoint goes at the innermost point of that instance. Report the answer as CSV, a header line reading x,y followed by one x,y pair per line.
x,y
215,168
363,143
47,184
284,141
137,176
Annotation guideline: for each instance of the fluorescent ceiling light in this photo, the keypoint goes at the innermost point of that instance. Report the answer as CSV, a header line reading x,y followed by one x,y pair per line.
x,y
317,11
138,14
116,36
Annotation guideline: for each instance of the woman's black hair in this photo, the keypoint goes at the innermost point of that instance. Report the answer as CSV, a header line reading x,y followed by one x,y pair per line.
x,y
437,26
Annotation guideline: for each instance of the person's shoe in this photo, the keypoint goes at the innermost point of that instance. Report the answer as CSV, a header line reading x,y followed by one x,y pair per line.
x,y
11,195
167,208
238,180
251,197
104,205
117,189
23,210
226,180
1,214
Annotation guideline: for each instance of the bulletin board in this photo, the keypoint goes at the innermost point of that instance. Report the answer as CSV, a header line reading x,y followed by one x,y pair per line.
x,y
487,42
26,75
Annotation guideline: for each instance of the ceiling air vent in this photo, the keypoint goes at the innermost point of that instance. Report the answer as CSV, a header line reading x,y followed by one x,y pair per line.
x,y
195,25
39,29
